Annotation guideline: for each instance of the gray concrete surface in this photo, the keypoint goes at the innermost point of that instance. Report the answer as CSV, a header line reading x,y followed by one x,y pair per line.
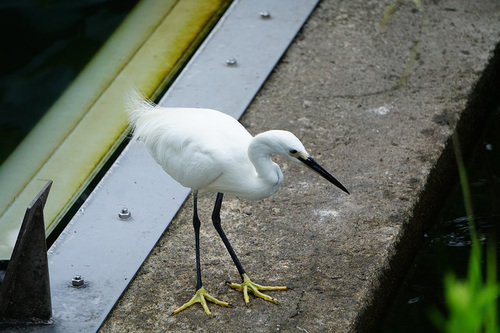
x,y
340,88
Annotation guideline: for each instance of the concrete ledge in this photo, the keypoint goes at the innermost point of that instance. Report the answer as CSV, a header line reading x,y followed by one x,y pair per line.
x,y
375,109
483,101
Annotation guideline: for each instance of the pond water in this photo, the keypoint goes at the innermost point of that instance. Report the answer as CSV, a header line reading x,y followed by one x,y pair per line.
x,y
47,43
448,245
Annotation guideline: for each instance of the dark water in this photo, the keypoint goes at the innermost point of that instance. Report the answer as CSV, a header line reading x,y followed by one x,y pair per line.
x,y
45,44
448,245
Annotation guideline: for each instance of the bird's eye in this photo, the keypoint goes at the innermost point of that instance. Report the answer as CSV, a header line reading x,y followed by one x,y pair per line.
x,y
293,151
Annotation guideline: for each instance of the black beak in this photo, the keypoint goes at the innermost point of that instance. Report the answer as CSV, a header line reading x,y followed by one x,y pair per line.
x,y
325,174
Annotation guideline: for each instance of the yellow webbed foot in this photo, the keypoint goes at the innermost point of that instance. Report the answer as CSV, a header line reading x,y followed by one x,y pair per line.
x,y
247,285
202,297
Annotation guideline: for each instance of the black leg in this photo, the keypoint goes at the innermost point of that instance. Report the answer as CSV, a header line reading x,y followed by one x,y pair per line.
x,y
217,224
196,225
201,296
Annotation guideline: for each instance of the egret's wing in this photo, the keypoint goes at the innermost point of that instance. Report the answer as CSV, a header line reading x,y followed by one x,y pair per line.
x,y
194,146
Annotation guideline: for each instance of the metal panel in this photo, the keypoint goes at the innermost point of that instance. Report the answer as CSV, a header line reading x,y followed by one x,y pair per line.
x,y
107,251
254,34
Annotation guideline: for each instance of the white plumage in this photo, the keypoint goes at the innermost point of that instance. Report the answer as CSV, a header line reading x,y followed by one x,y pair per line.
x,y
209,151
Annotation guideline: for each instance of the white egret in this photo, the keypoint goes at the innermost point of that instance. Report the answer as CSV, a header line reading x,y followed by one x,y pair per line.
x,y
209,151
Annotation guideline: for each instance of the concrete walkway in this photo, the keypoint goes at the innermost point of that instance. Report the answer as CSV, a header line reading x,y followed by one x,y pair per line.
x,y
377,110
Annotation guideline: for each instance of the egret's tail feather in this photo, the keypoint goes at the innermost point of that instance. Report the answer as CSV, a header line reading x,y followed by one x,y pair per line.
x,y
136,104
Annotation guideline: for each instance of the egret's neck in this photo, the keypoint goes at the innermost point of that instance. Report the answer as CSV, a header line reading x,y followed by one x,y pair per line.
x,y
259,152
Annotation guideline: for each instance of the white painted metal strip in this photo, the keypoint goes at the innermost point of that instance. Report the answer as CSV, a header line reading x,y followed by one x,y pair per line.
x,y
253,33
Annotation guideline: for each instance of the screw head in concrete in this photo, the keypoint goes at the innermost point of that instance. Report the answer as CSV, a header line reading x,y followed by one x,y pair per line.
x,y
124,214
77,281
231,61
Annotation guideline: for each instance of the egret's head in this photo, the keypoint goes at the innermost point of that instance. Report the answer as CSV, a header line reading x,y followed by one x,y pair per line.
x,y
287,144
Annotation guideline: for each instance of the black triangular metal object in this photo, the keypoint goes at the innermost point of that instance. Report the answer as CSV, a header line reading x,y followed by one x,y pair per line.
x,y
25,291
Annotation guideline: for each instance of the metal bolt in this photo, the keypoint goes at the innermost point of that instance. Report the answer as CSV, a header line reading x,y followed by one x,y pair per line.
x,y
124,214
265,14
231,62
77,281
